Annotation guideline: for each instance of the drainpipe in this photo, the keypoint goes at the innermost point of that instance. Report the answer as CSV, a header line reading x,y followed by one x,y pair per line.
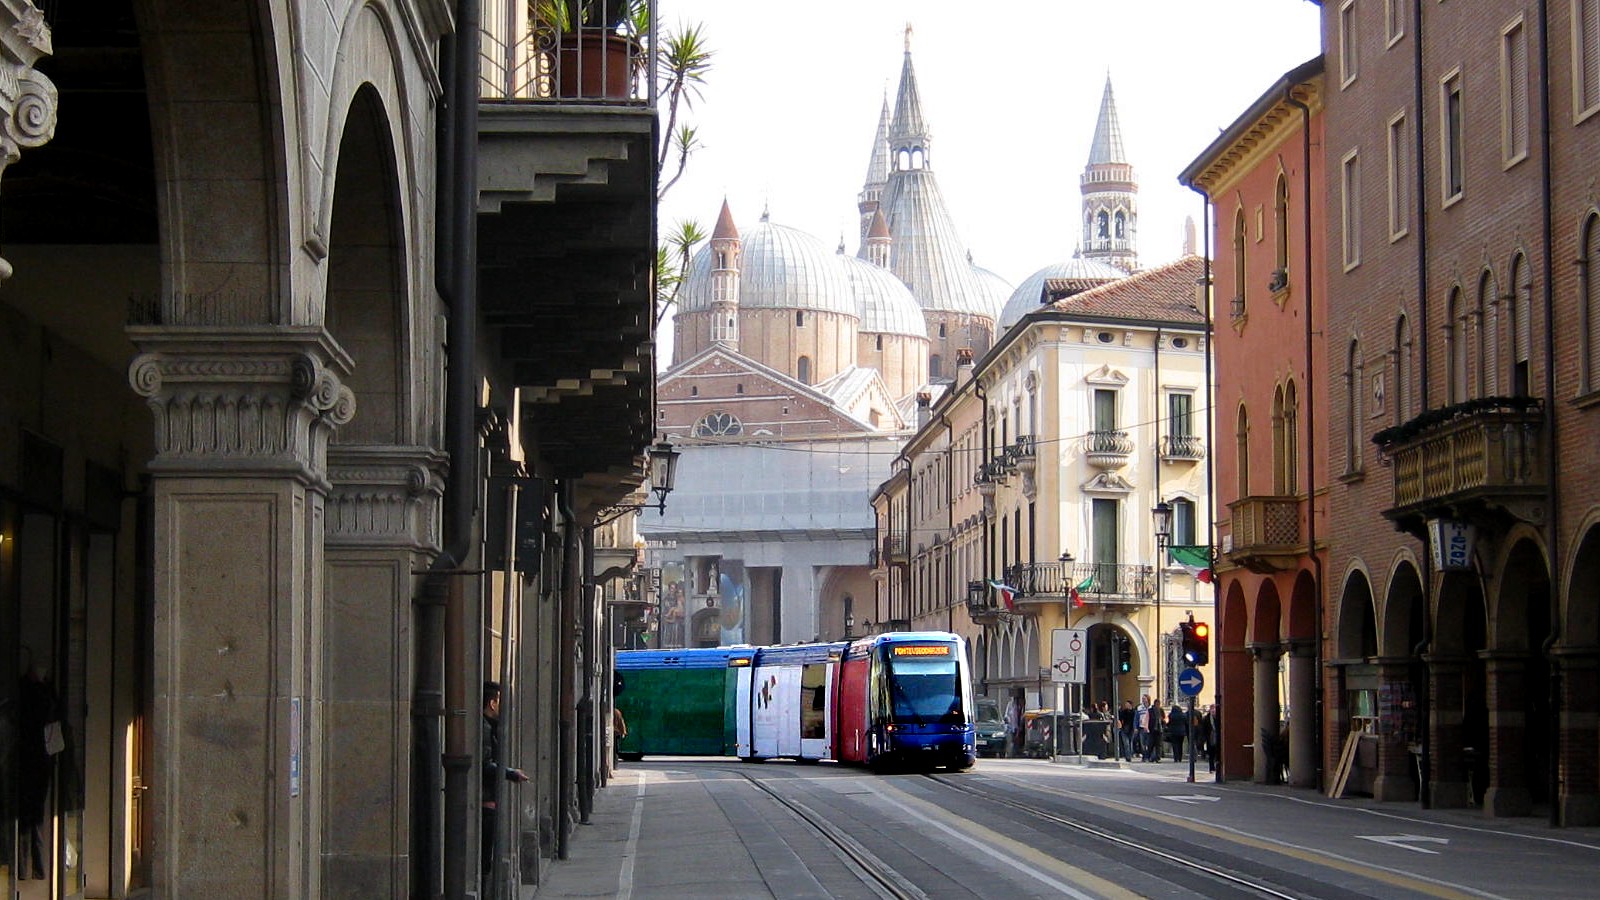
x,y
1161,567
1311,414
1552,459
566,671
988,532
949,514
441,608
1211,445
1420,154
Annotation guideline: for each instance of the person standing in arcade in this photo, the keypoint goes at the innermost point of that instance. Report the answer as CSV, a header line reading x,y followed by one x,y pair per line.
x,y
493,773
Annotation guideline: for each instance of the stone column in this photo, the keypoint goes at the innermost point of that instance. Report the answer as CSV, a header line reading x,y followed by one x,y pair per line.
x,y
1447,769
1397,773
382,526
1579,800
1506,681
242,422
27,98
1302,713
1265,728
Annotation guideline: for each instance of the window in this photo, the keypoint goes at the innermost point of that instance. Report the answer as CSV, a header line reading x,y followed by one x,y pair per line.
x,y
1241,439
1521,326
1350,208
1399,177
717,424
1291,439
799,319
1590,367
1104,550
1451,162
1180,414
1238,264
935,363
1455,345
1184,528
802,370
878,341
1280,444
1280,227
1488,313
1354,385
1349,46
1395,20
1585,58
1514,93
1105,410
1121,225
1401,363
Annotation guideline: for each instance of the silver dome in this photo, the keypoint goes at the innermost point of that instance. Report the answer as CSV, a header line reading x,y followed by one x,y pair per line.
x,y
996,291
1029,295
779,268
886,306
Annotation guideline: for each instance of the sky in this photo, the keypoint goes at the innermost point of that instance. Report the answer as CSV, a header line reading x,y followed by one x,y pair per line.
x,y
1010,89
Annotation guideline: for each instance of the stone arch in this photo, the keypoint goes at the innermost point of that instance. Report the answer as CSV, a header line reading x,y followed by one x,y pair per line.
x,y
225,218
1580,620
1301,622
1356,632
1404,611
1266,620
366,308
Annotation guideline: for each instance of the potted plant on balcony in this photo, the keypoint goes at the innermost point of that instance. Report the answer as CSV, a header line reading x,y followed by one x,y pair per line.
x,y
598,45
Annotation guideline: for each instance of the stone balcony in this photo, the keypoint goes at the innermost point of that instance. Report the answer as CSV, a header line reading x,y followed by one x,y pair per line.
x,y
1108,449
1479,461
1182,448
1265,533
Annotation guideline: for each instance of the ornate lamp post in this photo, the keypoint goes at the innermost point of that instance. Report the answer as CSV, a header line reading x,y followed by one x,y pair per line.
x,y
1161,515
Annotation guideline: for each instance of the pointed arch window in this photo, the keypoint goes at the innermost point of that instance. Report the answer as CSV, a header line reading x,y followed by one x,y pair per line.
x,y
1490,315
1280,444
1521,326
1238,263
1241,440
1455,345
1280,229
1102,225
1121,225
1355,387
802,370
1291,439
935,364
1589,368
1400,363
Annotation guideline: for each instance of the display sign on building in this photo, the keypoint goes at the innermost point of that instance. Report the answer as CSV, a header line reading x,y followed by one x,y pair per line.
x,y
1452,542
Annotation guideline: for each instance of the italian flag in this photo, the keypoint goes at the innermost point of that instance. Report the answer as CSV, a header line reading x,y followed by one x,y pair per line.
x,y
1194,558
1073,592
1006,592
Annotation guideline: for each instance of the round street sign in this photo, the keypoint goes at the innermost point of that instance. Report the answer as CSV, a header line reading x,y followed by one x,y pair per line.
x,y
1190,681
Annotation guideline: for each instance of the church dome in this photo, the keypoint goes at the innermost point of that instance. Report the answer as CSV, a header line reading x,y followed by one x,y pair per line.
x,y
1029,295
886,306
779,268
994,290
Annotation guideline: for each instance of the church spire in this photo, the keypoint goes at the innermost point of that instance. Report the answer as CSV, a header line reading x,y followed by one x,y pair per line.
x,y
1110,194
877,170
726,247
908,132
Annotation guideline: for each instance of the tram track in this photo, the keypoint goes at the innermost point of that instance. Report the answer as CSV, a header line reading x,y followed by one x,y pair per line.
x,y
873,871
1145,849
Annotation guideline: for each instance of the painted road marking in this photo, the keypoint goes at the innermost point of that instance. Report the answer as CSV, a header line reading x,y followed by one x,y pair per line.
x,y
1403,841
1191,798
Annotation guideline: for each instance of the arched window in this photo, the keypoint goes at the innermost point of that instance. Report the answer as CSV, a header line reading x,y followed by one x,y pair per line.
x,y
1280,225
1238,264
1291,440
1241,438
1121,225
935,363
1455,347
802,370
799,318
879,343
1483,337
1102,225
1590,368
1280,445
1400,363
1521,326
1355,387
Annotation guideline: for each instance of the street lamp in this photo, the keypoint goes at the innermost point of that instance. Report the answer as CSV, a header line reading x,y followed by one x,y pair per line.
x,y
663,466
849,623
1161,515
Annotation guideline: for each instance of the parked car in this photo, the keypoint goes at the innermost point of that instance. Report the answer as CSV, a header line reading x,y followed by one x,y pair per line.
x,y
991,729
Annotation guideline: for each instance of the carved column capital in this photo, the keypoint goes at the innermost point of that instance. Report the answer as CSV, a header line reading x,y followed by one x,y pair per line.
x,y
242,401
385,496
27,97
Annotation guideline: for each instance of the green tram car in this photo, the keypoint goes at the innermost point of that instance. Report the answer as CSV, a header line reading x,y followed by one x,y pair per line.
x,y
680,702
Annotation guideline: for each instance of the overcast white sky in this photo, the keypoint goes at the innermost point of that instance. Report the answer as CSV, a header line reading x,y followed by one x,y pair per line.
x,y
1010,89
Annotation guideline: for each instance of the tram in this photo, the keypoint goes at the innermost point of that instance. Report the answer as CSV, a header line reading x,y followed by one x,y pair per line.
x,y
905,700
679,702
898,699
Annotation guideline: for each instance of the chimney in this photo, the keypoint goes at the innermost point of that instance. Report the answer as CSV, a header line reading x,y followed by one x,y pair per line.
x,y
924,408
963,365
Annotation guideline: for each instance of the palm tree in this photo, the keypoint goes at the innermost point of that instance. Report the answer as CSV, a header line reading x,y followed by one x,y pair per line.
x,y
672,264
681,66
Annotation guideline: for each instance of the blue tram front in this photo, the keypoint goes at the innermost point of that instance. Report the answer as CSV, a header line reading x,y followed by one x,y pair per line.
x,y
906,699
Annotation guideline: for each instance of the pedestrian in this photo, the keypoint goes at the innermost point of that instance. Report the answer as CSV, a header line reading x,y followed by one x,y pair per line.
x,y
493,773
1177,730
1013,727
619,729
1125,731
1141,728
1213,737
1157,728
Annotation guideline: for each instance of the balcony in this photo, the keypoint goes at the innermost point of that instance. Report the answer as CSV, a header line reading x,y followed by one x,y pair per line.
x,y
1478,461
1182,448
1108,449
1265,533
566,226
1108,584
894,550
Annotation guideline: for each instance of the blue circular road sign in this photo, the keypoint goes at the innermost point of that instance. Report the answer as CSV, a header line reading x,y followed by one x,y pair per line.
x,y
1190,681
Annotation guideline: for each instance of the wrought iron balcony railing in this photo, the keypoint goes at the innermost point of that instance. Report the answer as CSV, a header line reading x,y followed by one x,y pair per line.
x,y
564,50
1108,449
1487,452
1183,447
894,550
1265,533
1102,583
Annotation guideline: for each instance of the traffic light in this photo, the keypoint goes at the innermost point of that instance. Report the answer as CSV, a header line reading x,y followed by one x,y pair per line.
x,y
1123,649
1196,642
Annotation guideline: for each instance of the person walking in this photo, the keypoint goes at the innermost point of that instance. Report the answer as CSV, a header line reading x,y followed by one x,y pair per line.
x,y
1141,728
1213,729
1125,731
1157,729
1177,730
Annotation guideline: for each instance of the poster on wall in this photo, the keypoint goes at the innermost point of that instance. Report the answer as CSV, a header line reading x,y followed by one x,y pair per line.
x,y
672,608
733,593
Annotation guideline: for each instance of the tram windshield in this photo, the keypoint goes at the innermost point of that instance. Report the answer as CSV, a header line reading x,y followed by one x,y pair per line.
x,y
924,684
